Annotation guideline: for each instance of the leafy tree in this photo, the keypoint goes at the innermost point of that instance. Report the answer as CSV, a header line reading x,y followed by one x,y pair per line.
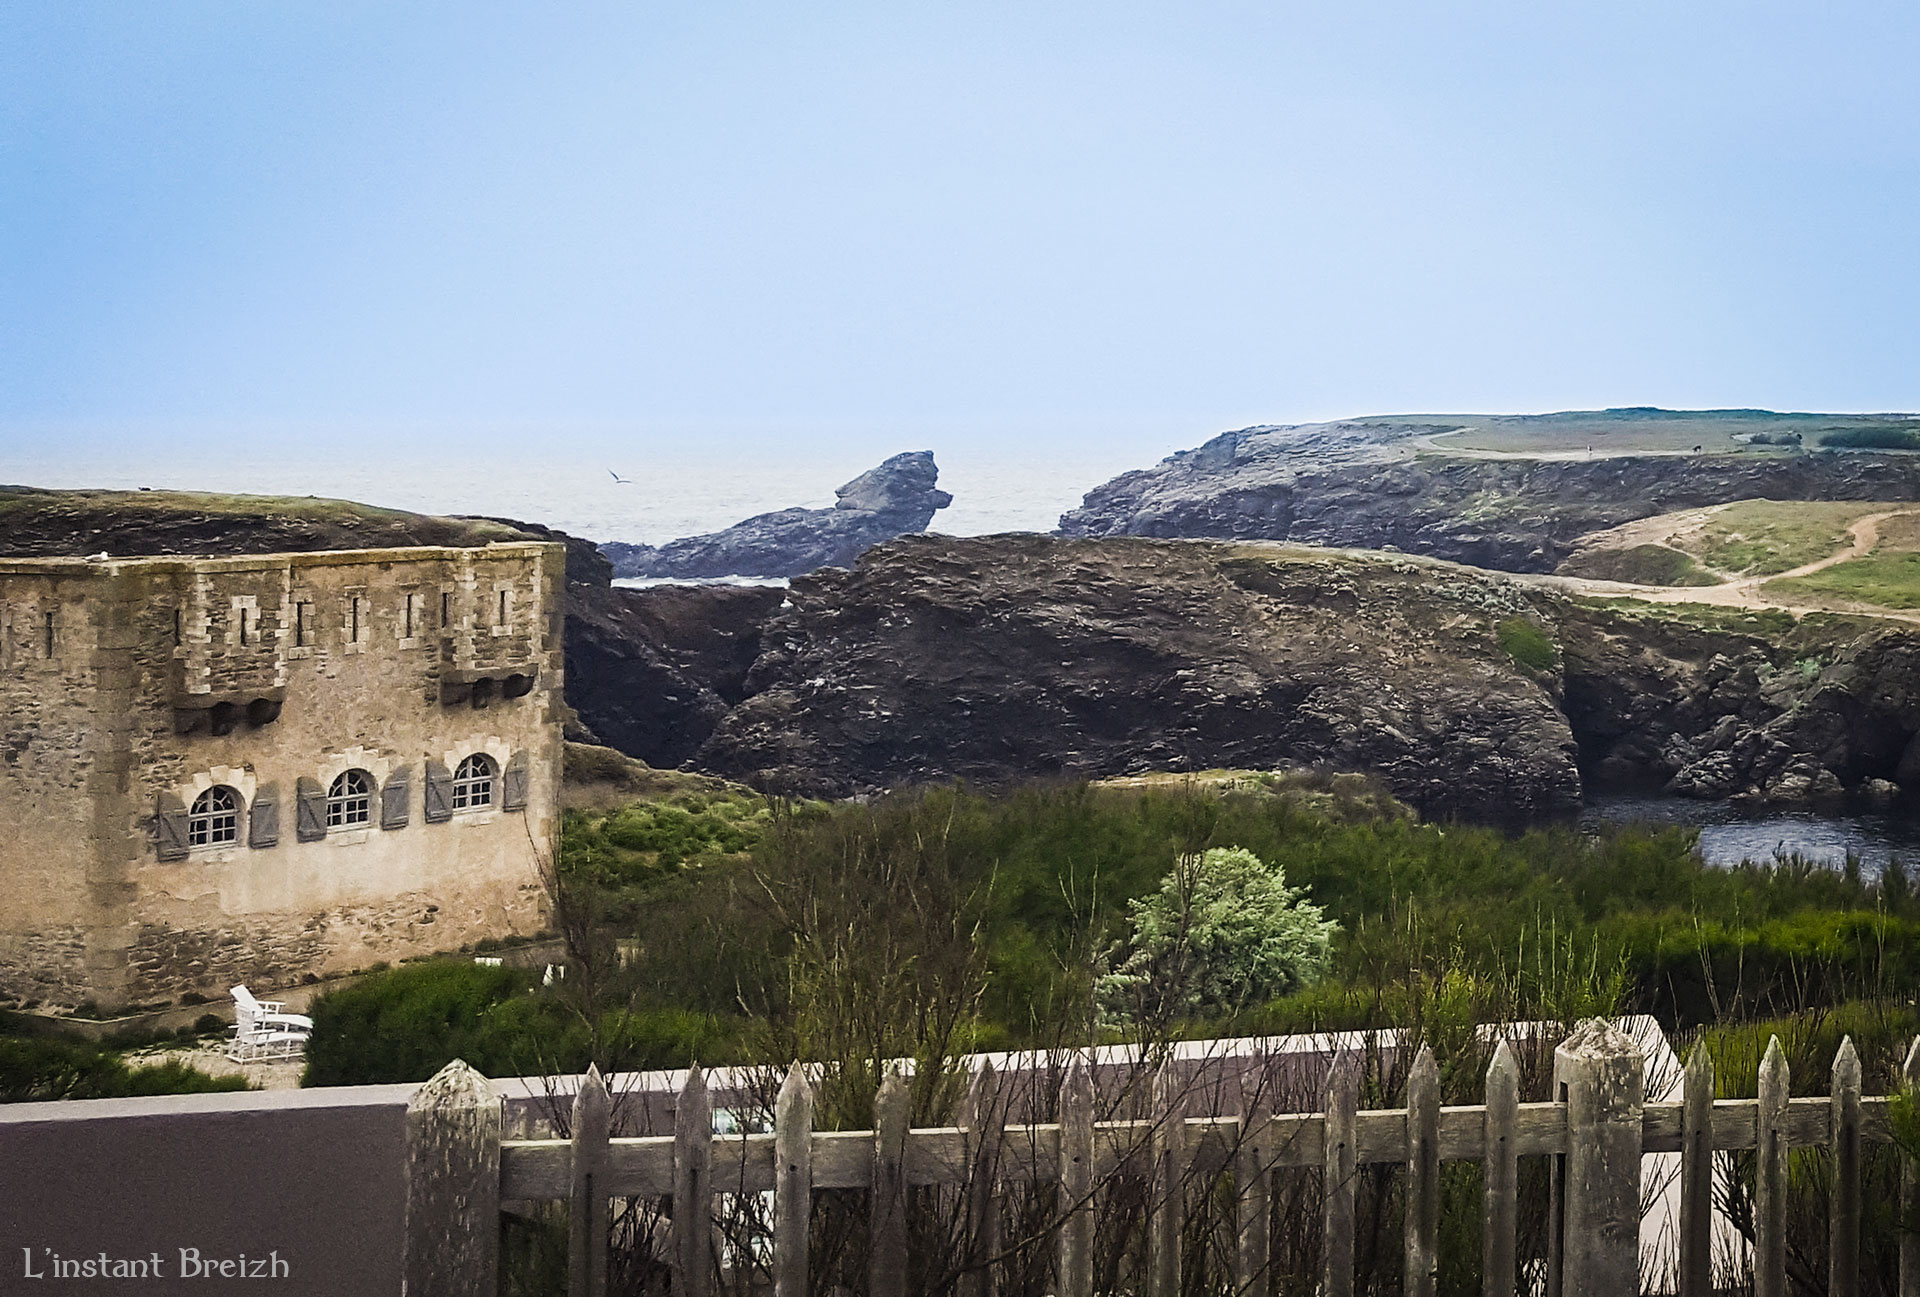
x,y
1223,932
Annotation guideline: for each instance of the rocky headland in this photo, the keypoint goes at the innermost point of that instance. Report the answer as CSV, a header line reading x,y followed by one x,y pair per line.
x,y
896,498
1379,484
1468,694
1000,658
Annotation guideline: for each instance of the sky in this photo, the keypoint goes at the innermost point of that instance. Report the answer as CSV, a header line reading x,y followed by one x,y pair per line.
x,y
712,231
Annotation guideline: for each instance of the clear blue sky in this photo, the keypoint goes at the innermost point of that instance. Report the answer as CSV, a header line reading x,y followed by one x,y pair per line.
x,y
998,220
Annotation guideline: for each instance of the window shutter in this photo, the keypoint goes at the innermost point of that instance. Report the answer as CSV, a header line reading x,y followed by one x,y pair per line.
x,y
263,822
310,811
395,798
513,784
439,801
170,829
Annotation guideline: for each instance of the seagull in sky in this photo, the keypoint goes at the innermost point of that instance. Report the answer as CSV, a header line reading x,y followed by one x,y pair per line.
x,y
623,481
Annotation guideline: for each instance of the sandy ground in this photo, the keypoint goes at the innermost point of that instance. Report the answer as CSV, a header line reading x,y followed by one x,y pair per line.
x,y
210,1057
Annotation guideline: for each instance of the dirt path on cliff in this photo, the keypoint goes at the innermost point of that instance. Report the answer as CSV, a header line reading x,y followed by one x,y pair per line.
x,y
1742,592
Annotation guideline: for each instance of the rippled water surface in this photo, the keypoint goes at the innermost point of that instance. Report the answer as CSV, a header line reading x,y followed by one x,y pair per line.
x,y
1728,837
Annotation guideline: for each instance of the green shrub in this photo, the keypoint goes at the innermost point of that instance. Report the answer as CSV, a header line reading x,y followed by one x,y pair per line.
x,y
36,1068
1873,439
406,1024
1526,644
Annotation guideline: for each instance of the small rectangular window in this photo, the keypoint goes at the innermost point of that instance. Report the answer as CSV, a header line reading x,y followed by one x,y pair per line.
x,y
300,622
446,610
243,626
354,619
502,621
176,628
49,634
409,630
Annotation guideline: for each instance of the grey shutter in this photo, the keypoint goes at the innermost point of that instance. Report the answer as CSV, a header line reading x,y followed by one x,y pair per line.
x,y
439,785
310,810
513,784
395,799
170,829
263,821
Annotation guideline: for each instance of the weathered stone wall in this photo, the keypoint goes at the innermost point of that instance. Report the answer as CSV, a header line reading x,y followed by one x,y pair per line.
x,y
270,676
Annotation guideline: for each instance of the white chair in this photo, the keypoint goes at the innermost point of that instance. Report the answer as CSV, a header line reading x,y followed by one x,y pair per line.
x,y
262,1029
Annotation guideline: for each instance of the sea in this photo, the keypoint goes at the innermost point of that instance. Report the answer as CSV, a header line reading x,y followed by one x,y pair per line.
x,y
606,488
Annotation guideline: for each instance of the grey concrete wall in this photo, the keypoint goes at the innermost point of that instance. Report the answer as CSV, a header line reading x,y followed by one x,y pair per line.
x,y
312,1175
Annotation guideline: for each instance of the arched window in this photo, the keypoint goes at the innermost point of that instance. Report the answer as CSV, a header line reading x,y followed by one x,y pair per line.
x,y
350,800
473,783
214,819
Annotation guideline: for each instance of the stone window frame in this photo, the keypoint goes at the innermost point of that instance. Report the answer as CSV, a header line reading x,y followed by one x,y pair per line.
x,y
300,635
245,624
474,783
213,818
350,800
505,609
356,620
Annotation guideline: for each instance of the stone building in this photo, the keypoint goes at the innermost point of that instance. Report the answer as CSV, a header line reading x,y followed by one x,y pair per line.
x,y
215,770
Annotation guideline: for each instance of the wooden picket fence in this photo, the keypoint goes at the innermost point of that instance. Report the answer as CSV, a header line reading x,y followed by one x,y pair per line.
x,y
460,1171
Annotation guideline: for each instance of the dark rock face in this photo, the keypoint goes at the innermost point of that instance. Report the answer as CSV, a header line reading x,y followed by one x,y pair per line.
x,y
895,499
1326,486
1002,658
1832,708
652,672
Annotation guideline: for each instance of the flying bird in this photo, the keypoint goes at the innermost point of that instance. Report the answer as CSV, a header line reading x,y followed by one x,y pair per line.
x,y
623,481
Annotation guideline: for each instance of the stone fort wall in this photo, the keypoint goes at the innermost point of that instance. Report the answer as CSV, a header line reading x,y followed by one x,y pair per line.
x,y
137,692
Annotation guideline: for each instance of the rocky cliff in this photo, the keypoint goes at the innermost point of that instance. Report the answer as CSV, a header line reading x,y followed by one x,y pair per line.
x,y
1359,485
896,498
653,672
1009,657
1750,708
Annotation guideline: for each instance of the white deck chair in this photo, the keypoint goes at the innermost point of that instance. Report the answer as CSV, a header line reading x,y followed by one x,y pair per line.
x,y
263,1030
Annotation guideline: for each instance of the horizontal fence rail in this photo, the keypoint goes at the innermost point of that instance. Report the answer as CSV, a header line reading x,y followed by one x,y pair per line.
x,y
1596,1136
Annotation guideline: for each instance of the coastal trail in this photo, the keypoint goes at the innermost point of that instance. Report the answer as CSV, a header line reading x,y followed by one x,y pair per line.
x,y
1740,592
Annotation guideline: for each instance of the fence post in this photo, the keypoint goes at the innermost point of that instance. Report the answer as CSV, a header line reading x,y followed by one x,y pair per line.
x,y
1770,1177
1910,1190
1499,1245
1341,1171
587,1214
1422,1223
693,1187
1166,1208
1253,1181
981,1118
1696,1176
1843,1264
887,1265
1600,1074
793,1187
1075,1266
453,1186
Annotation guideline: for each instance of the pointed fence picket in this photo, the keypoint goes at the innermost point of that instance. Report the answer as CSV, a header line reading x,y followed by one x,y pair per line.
x,y
1595,1132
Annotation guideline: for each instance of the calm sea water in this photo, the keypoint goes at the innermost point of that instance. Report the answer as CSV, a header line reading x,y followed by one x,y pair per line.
x,y
998,486
1728,837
